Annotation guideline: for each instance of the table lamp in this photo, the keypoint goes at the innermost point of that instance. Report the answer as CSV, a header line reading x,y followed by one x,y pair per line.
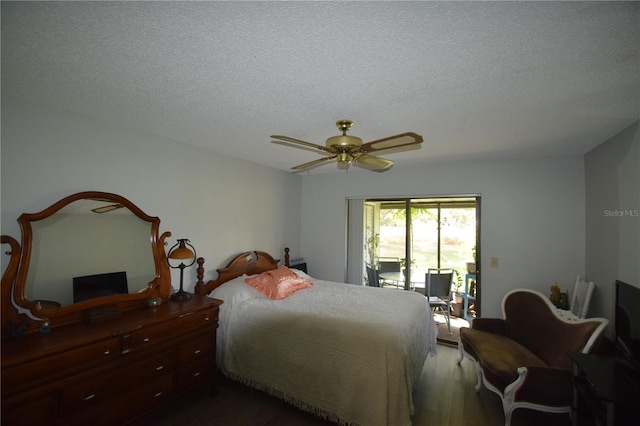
x,y
181,252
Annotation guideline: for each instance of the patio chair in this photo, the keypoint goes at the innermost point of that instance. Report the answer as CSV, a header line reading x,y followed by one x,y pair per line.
x,y
372,276
439,283
389,264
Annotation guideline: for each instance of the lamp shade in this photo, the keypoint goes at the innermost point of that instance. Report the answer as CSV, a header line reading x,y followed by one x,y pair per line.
x,y
181,252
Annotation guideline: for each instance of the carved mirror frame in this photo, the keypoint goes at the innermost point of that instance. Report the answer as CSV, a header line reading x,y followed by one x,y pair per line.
x,y
17,309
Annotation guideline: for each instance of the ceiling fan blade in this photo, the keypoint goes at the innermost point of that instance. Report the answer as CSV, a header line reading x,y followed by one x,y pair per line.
x,y
371,162
299,142
403,139
107,208
292,145
314,163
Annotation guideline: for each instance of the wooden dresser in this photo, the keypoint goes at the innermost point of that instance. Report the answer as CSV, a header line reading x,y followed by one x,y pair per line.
x,y
111,372
80,349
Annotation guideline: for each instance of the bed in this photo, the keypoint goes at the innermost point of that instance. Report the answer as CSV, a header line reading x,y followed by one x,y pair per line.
x,y
347,353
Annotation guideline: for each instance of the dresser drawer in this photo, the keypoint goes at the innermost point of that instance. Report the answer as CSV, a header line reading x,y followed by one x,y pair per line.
x,y
198,318
149,368
200,347
149,394
24,375
196,359
124,407
81,395
145,397
150,336
90,390
140,340
36,412
192,373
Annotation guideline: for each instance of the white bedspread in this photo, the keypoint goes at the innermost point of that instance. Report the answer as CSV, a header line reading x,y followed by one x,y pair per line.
x,y
348,353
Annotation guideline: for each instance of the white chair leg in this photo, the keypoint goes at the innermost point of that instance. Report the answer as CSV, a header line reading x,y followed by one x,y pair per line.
x,y
507,416
478,377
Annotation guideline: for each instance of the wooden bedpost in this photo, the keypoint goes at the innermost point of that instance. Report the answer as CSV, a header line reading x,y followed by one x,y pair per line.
x,y
199,275
286,256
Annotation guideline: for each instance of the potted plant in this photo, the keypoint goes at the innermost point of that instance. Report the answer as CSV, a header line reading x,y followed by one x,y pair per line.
x,y
403,265
372,249
458,290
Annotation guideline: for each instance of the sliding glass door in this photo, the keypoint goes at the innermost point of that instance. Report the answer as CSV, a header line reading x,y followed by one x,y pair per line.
x,y
425,233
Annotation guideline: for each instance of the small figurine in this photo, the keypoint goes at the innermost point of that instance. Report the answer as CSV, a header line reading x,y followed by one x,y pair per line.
x,y
45,327
559,299
555,297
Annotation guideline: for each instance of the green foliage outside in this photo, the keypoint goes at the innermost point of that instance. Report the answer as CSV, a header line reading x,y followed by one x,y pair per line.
x,y
457,238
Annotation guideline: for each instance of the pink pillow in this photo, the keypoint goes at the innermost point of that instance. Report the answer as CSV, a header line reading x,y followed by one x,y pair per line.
x,y
278,283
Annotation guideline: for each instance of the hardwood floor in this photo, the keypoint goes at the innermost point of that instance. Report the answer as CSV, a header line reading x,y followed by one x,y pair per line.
x,y
443,332
444,396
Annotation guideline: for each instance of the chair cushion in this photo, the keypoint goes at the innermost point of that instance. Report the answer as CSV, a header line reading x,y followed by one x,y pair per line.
x,y
499,356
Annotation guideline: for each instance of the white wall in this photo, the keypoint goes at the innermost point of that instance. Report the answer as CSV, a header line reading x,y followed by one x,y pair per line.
x,y
533,217
612,173
223,205
533,211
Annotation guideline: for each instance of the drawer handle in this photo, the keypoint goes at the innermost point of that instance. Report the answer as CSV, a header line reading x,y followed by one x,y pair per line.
x,y
106,351
197,351
146,339
206,318
158,394
88,397
160,367
196,374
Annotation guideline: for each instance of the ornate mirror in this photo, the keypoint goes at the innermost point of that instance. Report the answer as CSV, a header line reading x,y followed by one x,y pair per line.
x,y
86,250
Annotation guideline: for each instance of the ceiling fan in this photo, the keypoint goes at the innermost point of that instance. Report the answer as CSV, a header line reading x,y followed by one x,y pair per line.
x,y
107,207
347,149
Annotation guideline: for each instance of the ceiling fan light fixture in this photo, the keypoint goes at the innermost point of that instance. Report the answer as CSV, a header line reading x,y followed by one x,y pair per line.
x,y
344,141
344,158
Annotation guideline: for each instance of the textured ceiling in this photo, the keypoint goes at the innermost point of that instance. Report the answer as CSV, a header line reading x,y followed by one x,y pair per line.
x,y
476,79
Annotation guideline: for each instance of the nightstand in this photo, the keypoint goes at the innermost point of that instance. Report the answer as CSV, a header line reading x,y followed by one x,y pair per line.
x,y
300,266
606,391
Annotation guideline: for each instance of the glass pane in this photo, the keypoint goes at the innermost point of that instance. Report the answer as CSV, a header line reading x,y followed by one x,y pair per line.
x,y
371,234
457,239
425,238
392,233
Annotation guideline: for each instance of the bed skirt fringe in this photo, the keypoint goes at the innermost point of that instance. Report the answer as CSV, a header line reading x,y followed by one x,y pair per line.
x,y
327,415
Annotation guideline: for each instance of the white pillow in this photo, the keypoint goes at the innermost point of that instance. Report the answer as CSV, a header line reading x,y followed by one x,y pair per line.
x,y
234,292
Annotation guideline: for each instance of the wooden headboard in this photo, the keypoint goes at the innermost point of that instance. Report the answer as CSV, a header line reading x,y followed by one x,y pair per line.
x,y
250,262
